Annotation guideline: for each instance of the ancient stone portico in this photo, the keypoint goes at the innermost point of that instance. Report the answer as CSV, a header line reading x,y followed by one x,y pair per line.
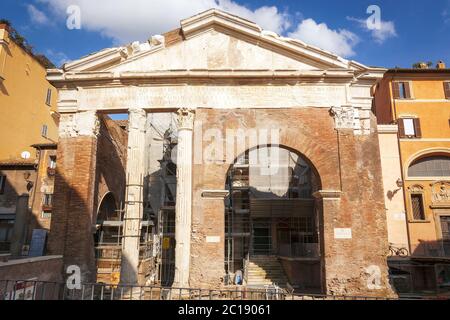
x,y
217,76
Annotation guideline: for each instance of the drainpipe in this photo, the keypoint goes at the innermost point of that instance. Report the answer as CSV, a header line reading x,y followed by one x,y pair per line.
x,y
34,189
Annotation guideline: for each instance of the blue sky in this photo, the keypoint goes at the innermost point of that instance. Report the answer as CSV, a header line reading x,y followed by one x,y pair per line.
x,y
411,31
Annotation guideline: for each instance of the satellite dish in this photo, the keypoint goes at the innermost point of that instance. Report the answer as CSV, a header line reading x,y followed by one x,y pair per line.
x,y
25,155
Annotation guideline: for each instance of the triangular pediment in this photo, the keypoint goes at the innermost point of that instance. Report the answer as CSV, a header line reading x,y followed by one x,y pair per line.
x,y
214,40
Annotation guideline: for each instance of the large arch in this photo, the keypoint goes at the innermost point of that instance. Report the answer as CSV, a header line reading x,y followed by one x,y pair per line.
x,y
271,213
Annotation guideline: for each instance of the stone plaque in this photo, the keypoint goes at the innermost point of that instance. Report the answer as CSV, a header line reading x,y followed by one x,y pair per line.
x,y
213,239
342,233
399,216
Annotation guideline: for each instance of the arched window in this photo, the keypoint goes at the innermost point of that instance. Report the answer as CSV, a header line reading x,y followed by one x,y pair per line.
x,y
432,166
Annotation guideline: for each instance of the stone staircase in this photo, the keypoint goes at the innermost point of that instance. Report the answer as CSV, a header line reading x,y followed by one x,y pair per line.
x,y
265,271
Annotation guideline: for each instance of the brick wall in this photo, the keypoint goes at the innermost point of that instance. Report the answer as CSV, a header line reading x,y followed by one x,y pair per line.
x,y
344,162
40,269
111,161
71,227
88,168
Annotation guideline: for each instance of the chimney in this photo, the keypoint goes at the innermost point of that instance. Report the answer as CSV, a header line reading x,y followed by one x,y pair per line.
x,y
4,39
4,32
440,65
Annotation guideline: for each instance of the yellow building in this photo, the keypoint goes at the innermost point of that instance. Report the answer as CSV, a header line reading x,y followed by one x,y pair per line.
x,y
27,101
418,101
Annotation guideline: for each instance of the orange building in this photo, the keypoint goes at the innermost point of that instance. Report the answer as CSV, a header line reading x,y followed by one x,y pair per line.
x,y
418,101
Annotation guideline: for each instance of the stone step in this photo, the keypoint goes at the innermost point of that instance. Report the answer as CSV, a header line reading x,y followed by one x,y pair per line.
x,y
272,272
264,268
265,277
265,271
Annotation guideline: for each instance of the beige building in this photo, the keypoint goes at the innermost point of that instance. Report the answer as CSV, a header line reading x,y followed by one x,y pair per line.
x,y
393,186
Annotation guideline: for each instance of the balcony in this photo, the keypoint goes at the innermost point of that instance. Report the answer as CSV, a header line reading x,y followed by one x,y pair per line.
x,y
431,249
47,207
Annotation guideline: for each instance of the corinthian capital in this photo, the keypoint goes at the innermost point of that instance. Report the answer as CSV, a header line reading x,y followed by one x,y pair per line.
x,y
186,118
137,118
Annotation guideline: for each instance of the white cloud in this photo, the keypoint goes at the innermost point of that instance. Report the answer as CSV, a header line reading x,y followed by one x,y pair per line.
x,y
386,31
380,35
58,57
446,14
126,21
36,15
340,42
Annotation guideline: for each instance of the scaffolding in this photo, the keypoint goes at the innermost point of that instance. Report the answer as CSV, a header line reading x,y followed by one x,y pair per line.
x,y
110,240
237,216
270,213
166,217
162,141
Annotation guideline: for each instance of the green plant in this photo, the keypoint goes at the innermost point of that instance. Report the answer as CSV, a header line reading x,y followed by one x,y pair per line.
x,y
5,21
418,65
23,43
44,61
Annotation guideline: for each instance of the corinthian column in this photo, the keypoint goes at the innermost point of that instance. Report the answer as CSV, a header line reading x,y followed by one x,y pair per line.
x,y
183,209
134,197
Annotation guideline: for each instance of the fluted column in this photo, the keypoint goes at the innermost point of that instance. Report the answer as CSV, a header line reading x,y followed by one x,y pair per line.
x,y
134,197
183,209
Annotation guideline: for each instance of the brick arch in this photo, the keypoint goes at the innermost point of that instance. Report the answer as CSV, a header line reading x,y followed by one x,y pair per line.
x,y
108,199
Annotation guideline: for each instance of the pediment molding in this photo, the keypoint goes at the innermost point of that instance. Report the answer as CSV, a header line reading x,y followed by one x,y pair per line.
x,y
231,25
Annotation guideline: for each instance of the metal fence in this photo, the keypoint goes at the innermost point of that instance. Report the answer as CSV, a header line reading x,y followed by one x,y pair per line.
x,y
40,290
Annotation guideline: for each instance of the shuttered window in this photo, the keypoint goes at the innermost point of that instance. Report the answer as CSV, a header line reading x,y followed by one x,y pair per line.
x,y
447,90
48,99
401,90
445,227
417,207
44,130
409,128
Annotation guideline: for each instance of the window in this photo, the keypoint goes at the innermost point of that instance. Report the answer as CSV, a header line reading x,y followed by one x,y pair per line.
x,y
47,199
52,164
48,99
409,128
435,166
6,230
401,90
417,207
2,184
447,90
44,130
46,214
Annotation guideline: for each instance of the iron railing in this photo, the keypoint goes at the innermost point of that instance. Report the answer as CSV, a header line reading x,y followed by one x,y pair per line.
x,y
41,290
432,249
